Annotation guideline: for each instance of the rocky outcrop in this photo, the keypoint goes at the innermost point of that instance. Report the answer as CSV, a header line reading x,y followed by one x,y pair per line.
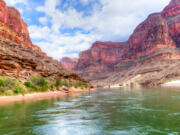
x,y
17,24
4,12
21,59
155,39
22,62
11,17
69,63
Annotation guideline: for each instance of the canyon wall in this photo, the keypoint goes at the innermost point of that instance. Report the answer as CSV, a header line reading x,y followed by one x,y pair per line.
x,y
157,39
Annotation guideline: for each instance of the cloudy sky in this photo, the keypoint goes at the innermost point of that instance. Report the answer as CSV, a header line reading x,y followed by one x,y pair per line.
x,y
66,27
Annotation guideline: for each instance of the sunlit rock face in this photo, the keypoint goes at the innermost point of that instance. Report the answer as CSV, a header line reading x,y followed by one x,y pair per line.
x,y
21,59
17,24
172,16
101,55
69,63
3,12
156,38
11,17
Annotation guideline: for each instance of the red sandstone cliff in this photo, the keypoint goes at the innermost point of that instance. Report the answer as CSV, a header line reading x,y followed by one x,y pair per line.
x,y
69,63
156,40
11,17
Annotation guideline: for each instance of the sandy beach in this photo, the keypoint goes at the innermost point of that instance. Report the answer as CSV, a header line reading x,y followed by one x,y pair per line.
x,y
40,95
175,83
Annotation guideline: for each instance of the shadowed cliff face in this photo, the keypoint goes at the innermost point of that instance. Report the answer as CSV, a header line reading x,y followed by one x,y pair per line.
x,y
21,59
155,39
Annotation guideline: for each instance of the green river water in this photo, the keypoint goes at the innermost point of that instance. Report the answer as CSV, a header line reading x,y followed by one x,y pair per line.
x,y
102,112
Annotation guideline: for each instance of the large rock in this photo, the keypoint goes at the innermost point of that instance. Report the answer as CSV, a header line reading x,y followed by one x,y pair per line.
x,y
154,43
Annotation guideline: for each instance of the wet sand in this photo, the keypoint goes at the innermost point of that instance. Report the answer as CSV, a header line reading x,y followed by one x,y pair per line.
x,y
40,96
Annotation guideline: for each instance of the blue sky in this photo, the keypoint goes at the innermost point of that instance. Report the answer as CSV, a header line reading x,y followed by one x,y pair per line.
x,y
66,27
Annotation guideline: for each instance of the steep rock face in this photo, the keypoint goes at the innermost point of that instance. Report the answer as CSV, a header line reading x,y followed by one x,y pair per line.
x,y
21,59
172,15
69,63
102,55
100,58
172,9
148,36
18,25
4,12
155,39
11,17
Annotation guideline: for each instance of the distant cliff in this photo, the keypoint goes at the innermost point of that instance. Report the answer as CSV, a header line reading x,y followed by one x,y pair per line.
x,y
68,63
150,56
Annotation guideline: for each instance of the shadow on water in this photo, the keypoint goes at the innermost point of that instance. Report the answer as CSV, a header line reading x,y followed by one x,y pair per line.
x,y
103,112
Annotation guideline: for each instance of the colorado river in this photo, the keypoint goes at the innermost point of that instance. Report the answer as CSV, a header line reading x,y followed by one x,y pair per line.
x,y
102,112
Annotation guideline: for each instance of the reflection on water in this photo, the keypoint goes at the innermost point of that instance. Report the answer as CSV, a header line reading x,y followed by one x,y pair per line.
x,y
104,112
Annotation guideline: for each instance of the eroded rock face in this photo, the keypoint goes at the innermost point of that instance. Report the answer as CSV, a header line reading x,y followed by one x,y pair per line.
x,y
172,16
69,63
173,9
11,17
17,24
4,12
102,55
155,39
22,62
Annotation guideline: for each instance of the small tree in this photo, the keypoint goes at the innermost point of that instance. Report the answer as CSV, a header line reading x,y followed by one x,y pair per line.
x,y
58,83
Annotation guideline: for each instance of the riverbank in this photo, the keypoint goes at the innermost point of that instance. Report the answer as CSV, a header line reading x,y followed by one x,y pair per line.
x,y
175,83
41,95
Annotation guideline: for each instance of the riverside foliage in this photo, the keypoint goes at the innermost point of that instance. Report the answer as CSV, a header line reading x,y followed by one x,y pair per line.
x,y
11,86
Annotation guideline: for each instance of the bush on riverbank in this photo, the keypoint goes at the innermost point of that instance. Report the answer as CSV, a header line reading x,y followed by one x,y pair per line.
x,y
11,86
37,84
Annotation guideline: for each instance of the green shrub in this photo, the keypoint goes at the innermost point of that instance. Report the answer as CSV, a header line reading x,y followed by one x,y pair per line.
x,y
16,90
9,93
51,86
39,81
19,90
1,83
75,84
80,84
27,84
82,87
58,83
39,84
2,90
65,83
7,82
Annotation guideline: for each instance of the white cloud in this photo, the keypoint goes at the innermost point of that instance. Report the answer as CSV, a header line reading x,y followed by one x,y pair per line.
x,y
14,2
85,2
59,45
112,20
43,20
